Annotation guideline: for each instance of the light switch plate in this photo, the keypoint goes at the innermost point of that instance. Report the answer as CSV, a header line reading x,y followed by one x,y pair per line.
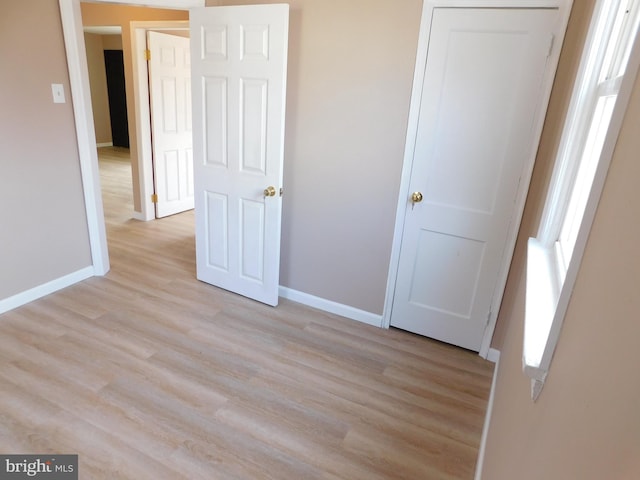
x,y
58,93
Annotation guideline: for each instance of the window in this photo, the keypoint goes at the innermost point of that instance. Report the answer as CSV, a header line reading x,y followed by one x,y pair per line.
x,y
601,93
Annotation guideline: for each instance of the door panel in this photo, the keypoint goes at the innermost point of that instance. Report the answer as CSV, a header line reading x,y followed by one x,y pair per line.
x,y
254,126
239,59
215,96
170,99
480,97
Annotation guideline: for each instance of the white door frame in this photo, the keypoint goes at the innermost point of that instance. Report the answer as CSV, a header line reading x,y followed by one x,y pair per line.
x,y
71,17
564,8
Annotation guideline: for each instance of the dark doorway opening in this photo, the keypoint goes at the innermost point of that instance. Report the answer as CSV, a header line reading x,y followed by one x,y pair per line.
x,y
114,65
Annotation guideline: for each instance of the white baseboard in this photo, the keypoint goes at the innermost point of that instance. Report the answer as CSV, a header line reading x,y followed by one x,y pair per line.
x,y
331,307
42,290
141,216
493,353
106,144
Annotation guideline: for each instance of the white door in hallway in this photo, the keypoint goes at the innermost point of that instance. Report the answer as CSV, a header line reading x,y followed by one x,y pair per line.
x,y
170,102
481,97
239,64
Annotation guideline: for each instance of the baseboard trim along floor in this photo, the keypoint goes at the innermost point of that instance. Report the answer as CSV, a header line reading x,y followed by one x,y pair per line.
x,y
40,291
331,307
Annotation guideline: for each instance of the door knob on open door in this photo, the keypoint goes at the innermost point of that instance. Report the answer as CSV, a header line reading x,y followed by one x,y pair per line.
x,y
416,197
270,191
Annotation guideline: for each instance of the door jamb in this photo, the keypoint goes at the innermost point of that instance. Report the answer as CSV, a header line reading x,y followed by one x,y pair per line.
x,y
73,33
564,9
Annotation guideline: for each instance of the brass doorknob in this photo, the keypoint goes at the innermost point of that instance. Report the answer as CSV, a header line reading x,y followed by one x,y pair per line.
x,y
416,197
270,191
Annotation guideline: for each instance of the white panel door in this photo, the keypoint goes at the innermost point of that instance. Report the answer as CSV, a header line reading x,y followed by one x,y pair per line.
x,y
480,97
239,62
170,98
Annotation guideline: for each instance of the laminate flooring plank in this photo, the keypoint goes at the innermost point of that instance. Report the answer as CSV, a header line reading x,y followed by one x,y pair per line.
x,y
86,426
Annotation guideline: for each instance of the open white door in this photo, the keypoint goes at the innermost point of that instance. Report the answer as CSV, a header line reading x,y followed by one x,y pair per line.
x,y
239,63
481,97
170,101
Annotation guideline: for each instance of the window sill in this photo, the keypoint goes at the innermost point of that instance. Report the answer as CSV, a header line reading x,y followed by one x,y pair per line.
x,y
543,286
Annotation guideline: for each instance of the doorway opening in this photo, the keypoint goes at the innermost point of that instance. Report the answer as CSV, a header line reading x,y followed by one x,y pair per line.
x,y
105,62
104,47
114,69
71,19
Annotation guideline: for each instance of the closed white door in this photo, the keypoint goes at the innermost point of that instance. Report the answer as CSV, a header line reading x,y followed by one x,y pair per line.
x,y
170,99
481,93
239,61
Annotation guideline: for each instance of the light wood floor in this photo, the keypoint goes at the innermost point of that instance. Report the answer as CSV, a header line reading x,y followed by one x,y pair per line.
x,y
149,374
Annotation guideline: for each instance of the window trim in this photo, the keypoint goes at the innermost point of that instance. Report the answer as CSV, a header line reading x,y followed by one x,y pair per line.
x,y
548,287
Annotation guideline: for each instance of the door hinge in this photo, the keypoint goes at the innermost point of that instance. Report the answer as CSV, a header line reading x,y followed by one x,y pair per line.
x,y
147,54
488,317
154,198
552,40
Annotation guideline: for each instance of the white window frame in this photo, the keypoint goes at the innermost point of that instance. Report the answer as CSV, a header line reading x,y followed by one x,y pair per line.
x,y
550,276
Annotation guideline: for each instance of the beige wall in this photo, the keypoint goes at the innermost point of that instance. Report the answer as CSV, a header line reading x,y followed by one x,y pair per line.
x,y
98,81
43,228
349,87
112,42
585,425
111,15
